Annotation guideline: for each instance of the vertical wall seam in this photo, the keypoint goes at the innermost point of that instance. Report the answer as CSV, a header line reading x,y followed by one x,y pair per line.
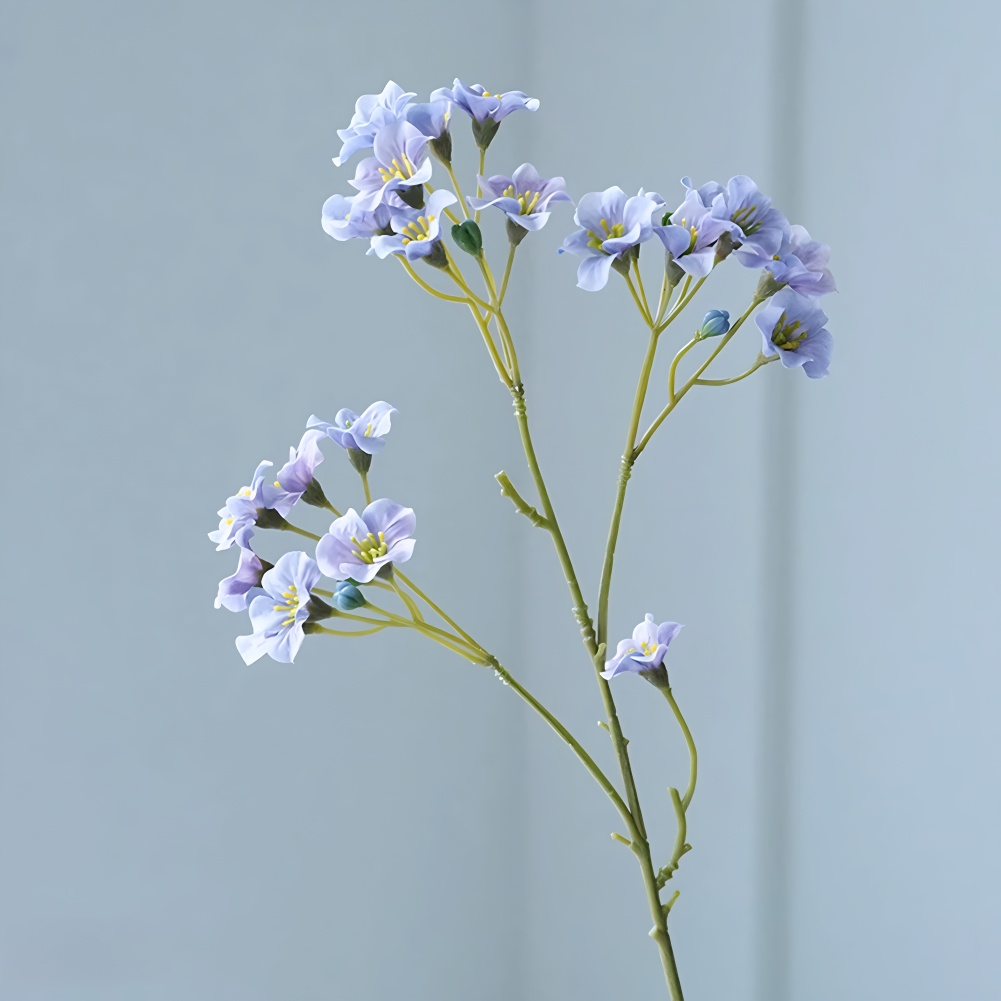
x,y
775,853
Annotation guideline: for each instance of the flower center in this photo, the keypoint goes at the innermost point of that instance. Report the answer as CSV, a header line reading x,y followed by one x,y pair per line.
x,y
692,232
788,336
402,172
370,548
487,93
745,219
419,230
526,201
648,649
290,605
244,492
610,233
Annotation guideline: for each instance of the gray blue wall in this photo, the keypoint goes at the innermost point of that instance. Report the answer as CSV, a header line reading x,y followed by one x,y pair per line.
x,y
379,821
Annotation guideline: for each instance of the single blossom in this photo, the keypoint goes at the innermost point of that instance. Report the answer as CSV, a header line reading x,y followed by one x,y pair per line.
x,y
792,327
800,263
237,590
611,224
416,232
359,546
372,112
644,652
342,219
480,104
751,219
365,431
278,615
399,162
691,233
297,474
238,515
524,197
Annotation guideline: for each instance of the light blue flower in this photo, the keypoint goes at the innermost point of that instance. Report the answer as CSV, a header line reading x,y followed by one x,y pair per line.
x,y
480,104
236,591
343,220
612,223
524,197
644,653
238,515
278,615
372,112
752,220
430,119
359,546
792,327
416,231
691,234
399,164
800,263
365,431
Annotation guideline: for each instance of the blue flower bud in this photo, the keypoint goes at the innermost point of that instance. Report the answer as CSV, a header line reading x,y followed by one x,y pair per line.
x,y
714,323
347,597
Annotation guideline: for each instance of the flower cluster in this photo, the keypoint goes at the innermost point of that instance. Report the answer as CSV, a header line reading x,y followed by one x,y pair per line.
x,y
284,598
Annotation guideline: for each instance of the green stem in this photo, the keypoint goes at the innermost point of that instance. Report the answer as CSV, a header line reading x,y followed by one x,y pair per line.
x,y
458,190
683,300
640,305
760,363
365,487
288,527
642,291
693,754
330,507
409,268
674,366
437,610
675,400
507,274
480,172
315,627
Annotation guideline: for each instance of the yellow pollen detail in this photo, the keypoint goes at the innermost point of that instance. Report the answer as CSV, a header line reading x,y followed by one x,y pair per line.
x,y
244,492
229,521
291,605
277,484
370,549
368,431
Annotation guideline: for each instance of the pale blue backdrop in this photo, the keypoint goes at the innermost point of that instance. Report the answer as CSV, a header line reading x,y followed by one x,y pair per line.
x,y
378,821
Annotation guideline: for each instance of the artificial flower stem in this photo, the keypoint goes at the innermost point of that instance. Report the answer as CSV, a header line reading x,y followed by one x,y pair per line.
x,y
365,487
663,415
642,291
479,190
682,301
693,754
674,366
458,190
644,312
445,617
429,288
330,507
415,612
665,296
288,527
456,275
488,340
585,758
760,363
507,274
317,628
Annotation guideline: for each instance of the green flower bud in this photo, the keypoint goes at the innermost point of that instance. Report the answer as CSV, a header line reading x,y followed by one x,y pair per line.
x,y
468,237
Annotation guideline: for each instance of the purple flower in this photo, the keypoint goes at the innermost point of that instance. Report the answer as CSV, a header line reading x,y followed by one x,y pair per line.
x,y
751,218
430,119
297,474
644,653
692,232
359,546
236,590
239,514
372,112
611,223
792,327
343,220
800,263
365,431
416,231
524,197
278,615
480,104
400,162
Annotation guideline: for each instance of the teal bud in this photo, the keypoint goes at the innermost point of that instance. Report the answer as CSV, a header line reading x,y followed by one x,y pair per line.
x,y
362,461
412,195
468,237
714,323
347,597
442,147
515,233
484,132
